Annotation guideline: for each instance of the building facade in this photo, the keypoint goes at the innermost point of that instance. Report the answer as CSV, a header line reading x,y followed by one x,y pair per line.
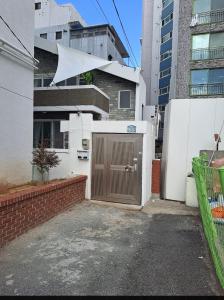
x,y
200,71
185,60
48,13
64,25
16,91
115,92
191,49
100,40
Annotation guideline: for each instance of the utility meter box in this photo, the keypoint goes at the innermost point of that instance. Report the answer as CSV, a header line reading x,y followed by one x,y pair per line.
x,y
85,144
83,154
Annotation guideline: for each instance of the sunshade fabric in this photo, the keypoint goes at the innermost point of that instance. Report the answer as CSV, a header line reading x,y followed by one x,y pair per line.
x,y
72,62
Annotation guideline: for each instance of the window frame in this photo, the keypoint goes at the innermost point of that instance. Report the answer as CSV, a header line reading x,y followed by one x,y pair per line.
x,y
165,87
42,77
119,100
166,3
168,51
166,74
61,34
38,5
171,36
167,18
44,34
52,133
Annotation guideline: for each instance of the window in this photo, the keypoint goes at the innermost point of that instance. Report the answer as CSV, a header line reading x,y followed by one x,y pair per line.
x,y
125,99
164,91
165,73
48,132
200,41
61,83
72,81
47,81
44,80
199,76
162,108
58,35
100,33
201,6
208,46
167,19
166,37
88,34
166,55
37,5
37,82
77,36
167,2
82,81
43,36
207,82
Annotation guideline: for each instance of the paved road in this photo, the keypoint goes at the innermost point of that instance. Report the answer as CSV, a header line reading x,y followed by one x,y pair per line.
x,y
98,250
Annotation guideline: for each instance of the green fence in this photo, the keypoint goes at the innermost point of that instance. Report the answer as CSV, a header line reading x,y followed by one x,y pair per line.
x,y
211,202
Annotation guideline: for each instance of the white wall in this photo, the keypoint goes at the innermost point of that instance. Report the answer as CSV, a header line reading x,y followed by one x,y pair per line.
x,y
191,125
82,127
16,94
52,14
51,34
151,41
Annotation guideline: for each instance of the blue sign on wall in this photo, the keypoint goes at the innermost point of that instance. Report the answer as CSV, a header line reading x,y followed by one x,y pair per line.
x,y
131,129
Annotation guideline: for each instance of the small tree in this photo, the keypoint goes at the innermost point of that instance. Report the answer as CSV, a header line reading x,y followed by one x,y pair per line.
x,y
88,77
44,160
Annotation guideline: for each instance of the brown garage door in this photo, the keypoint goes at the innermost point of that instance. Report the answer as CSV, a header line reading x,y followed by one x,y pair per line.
x,y
117,168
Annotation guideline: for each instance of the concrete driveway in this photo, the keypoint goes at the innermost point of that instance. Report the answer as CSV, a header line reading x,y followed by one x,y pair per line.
x,y
99,250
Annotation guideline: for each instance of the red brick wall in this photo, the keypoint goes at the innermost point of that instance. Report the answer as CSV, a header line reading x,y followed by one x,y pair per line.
x,y
24,210
156,175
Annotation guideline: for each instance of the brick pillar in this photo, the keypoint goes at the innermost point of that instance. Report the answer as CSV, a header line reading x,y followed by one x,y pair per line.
x,y
156,175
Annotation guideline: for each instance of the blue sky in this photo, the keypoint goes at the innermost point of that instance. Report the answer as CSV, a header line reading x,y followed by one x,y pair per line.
x,y
130,12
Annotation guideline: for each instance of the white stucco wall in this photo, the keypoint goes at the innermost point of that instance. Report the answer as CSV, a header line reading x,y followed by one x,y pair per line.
x,y
151,41
190,127
16,94
82,127
51,34
52,14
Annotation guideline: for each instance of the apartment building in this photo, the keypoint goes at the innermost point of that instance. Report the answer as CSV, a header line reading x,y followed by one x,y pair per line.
x,y
200,71
70,30
183,50
191,49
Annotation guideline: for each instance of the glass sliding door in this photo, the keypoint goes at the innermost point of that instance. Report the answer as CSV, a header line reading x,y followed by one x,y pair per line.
x,y
200,46
208,46
207,82
201,6
199,82
216,82
217,4
216,45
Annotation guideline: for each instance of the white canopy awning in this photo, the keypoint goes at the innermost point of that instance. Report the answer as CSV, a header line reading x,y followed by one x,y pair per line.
x,y
72,62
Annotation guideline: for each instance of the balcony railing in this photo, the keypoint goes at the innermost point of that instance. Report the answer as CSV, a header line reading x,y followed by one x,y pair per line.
x,y
212,53
215,16
207,89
